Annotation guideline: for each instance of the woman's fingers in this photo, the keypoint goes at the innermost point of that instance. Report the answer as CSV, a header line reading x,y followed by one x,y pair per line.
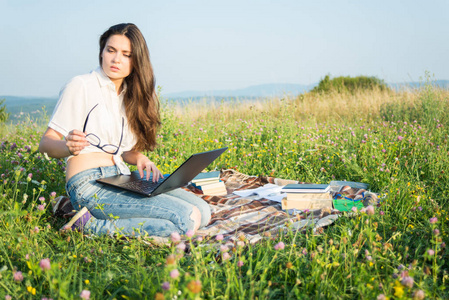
x,y
76,135
157,175
150,167
76,141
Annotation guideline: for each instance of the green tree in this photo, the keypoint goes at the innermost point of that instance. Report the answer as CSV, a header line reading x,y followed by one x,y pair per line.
x,y
348,84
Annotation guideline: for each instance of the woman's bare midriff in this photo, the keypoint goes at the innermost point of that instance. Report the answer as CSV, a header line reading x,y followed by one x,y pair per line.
x,y
87,161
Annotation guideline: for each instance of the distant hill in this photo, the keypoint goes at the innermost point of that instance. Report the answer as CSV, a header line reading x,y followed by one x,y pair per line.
x,y
278,90
444,84
255,91
21,107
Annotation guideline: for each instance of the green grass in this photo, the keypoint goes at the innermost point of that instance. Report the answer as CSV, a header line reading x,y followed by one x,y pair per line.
x,y
360,256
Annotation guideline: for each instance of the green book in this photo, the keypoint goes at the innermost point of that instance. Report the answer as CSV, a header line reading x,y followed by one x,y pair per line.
x,y
347,205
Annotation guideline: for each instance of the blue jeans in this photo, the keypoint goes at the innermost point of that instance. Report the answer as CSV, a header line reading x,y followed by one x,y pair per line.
x,y
118,211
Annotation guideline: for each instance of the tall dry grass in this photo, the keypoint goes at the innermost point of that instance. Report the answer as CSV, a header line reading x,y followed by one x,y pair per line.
x,y
332,107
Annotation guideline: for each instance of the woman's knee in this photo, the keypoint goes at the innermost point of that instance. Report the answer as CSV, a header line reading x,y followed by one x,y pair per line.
x,y
197,202
205,215
205,212
196,218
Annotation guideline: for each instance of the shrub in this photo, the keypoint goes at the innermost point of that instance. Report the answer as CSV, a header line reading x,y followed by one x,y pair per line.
x,y
4,115
348,84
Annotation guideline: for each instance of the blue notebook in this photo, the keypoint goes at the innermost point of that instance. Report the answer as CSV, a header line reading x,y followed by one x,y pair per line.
x,y
306,188
206,176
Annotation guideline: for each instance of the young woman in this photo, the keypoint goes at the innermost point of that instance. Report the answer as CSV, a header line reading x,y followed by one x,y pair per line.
x,y
106,118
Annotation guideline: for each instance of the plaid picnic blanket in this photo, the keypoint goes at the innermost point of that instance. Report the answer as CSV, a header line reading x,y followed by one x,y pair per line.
x,y
250,218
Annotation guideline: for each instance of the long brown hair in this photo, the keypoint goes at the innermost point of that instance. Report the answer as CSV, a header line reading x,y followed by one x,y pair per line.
x,y
141,102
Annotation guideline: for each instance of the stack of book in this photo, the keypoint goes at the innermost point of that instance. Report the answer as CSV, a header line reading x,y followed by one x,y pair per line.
x,y
209,183
306,196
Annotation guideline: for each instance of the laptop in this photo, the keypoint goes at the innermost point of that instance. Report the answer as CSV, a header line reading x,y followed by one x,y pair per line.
x,y
180,177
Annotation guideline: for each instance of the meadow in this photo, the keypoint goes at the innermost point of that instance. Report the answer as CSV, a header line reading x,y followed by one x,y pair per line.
x,y
394,141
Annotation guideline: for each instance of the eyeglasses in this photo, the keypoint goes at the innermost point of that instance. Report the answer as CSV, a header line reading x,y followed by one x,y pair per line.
x,y
94,140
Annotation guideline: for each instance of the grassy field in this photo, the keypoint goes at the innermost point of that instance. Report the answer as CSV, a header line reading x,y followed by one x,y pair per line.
x,y
395,141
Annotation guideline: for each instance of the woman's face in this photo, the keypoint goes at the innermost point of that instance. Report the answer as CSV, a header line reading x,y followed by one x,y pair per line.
x,y
116,59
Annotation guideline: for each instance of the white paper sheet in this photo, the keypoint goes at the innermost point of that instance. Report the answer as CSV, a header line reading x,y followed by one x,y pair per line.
x,y
269,191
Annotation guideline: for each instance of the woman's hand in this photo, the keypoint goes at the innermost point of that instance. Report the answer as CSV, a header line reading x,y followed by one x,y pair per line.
x,y
54,145
144,162
76,141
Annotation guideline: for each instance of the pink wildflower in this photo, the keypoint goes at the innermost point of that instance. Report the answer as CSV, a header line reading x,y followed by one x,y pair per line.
x,y
85,294
41,207
431,252
419,295
370,210
279,246
226,256
174,274
175,237
224,248
18,276
354,209
181,246
36,229
433,220
190,233
407,281
45,264
219,237
240,263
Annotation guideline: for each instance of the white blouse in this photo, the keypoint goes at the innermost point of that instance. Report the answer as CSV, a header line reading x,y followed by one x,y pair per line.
x,y
78,97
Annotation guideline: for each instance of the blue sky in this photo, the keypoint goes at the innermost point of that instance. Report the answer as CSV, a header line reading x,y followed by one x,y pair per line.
x,y
215,45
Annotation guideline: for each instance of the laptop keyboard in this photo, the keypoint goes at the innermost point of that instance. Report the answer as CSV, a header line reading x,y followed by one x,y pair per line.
x,y
143,186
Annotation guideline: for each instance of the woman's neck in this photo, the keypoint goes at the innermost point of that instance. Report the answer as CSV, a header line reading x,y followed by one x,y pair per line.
x,y
118,85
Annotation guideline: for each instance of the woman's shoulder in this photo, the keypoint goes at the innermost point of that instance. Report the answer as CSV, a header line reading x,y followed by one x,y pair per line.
x,y
82,80
84,77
